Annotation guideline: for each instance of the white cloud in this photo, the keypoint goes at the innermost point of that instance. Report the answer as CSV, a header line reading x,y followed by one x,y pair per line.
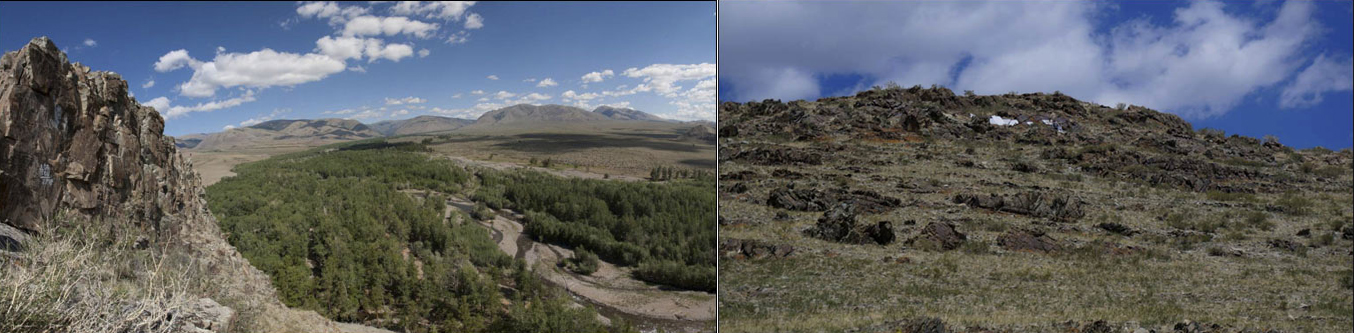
x,y
330,10
1200,63
392,52
358,69
445,10
148,84
258,69
547,82
90,43
457,95
1322,76
406,100
343,48
474,21
529,80
162,105
174,60
662,78
597,76
458,38
424,53
477,92
319,9
536,97
388,26
504,95
571,95
492,77
227,127
159,103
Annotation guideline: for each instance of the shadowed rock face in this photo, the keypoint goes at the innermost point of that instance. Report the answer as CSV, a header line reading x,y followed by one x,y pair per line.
x,y
74,138
939,236
1028,240
839,224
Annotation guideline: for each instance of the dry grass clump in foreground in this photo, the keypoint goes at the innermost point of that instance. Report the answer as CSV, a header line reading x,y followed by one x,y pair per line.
x,y
88,280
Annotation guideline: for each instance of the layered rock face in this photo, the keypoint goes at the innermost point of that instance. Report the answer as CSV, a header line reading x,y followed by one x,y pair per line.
x,y
72,140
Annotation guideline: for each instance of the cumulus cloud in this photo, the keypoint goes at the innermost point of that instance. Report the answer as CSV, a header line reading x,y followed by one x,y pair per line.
x,y
459,37
504,95
159,103
162,104
336,14
90,43
445,10
477,92
662,78
424,53
256,120
148,84
1322,76
571,95
492,77
344,48
174,60
597,76
547,82
258,69
1200,63
388,26
474,21
406,100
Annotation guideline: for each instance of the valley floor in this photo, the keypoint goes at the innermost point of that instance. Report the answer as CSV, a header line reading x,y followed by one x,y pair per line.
x,y
611,288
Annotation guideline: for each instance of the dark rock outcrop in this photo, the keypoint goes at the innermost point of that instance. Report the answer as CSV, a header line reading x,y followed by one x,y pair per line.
x,y
814,200
1064,208
1028,240
73,142
778,156
938,236
839,224
753,249
74,138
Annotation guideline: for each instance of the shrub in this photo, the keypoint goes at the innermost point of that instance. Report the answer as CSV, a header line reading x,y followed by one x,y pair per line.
x,y
1294,203
582,262
482,212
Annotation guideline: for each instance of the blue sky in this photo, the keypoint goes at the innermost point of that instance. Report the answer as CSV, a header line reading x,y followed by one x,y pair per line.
x,y
1251,68
216,65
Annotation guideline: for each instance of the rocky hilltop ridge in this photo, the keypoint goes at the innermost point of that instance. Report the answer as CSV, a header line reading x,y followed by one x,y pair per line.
x,y
74,146
1127,141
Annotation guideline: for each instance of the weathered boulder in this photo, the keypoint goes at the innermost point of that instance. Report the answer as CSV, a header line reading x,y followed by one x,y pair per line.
x,y
778,156
1028,240
206,315
753,249
839,224
938,236
814,200
1059,207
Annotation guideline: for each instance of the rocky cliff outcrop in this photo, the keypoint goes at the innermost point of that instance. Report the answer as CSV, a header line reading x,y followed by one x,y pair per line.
x,y
72,140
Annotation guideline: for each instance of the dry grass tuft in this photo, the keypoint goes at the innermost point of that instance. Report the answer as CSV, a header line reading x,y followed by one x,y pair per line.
x,y
77,284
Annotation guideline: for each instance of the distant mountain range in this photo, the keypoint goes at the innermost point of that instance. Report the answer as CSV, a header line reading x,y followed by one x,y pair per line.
x,y
297,131
420,124
321,131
